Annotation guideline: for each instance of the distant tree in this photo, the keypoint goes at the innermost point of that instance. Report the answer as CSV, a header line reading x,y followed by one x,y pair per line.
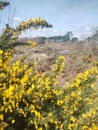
x,y
74,39
93,38
88,39
69,34
40,40
66,38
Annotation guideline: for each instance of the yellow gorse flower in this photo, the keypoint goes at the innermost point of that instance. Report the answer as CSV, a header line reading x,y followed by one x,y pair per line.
x,y
36,99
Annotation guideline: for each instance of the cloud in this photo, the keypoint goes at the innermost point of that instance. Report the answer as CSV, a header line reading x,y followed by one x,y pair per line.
x,y
58,32
51,32
16,19
55,31
83,31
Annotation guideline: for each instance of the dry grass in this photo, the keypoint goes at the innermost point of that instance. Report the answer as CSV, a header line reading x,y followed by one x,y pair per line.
x,y
79,57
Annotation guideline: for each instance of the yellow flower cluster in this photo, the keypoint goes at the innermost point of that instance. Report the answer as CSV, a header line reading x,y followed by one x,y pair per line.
x,y
81,101
26,94
34,23
32,43
10,35
33,101
59,65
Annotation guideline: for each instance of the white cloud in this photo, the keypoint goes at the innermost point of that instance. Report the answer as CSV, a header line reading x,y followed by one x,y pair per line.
x,y
83,31
16,19
58,32
55,31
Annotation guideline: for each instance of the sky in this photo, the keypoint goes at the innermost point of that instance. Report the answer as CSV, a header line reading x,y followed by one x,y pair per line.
x,y
78,16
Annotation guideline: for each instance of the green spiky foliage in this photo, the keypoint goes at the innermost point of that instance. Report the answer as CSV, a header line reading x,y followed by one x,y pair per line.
x,y
10,35
3,4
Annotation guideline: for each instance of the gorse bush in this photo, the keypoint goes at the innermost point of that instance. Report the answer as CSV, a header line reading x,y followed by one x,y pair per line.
x,y
3,4
28,96
10,35
29,100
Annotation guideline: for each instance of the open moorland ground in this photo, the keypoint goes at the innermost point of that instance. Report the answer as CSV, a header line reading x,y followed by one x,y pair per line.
x,y
79,57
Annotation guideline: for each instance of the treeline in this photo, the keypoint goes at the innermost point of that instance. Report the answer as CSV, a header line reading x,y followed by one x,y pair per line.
x,y
68,37
93,38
